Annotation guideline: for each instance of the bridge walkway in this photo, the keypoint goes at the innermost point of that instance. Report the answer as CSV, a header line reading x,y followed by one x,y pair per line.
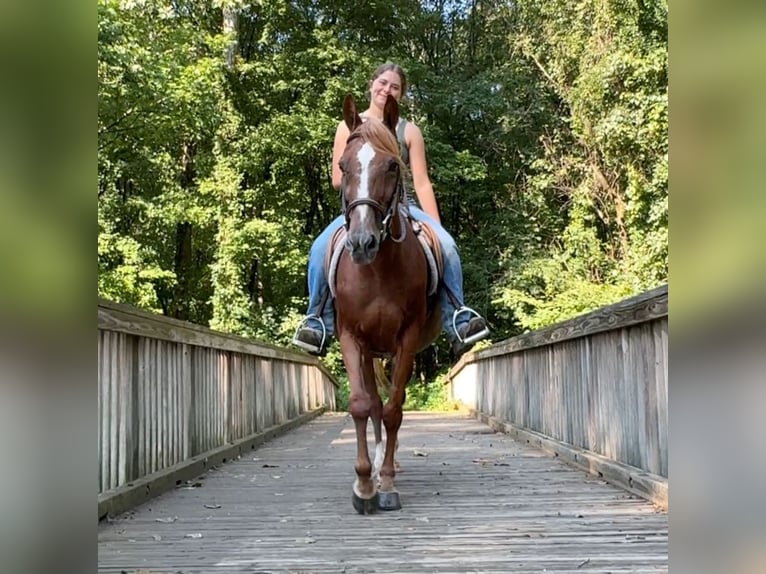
x,y
473,501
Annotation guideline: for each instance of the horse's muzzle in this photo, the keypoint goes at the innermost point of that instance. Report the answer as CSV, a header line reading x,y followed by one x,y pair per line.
x,y
363,246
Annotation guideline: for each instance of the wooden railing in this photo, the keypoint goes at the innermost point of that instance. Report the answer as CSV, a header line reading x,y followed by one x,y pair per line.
x,y
176,398
592,390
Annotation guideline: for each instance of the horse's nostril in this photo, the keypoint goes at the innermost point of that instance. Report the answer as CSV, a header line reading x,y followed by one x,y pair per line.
x,y
372,243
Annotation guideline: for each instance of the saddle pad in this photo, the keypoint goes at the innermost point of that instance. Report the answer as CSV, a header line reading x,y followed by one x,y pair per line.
x,y
432,248
337,245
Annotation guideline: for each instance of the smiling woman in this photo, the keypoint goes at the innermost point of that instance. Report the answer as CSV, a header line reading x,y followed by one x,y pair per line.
x,y
463,325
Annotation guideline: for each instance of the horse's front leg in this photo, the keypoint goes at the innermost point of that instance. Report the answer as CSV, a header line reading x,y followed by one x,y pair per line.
x,y
365,496
373,379
392,418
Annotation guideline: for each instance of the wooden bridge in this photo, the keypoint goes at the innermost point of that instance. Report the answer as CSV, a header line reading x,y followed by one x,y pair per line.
x,y
220,455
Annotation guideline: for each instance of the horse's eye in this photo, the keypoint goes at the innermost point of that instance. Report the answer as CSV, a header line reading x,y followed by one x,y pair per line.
x,y
342,165
393,166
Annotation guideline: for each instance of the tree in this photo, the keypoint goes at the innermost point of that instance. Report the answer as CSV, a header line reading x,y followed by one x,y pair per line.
x,y
546,137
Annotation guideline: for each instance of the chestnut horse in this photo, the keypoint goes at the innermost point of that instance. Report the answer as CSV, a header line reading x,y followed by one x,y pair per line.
x,y
381,303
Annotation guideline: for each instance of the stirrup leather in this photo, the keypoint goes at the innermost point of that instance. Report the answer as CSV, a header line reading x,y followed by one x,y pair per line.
x,y
304,322
473,338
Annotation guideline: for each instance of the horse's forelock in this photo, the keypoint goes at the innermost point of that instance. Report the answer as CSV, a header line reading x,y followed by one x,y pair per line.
x,y
381,139
379,136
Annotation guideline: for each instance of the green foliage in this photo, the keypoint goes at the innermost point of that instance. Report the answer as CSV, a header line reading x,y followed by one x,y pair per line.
x,y
604,161
133,280
342,393
422,395
430,395
546,136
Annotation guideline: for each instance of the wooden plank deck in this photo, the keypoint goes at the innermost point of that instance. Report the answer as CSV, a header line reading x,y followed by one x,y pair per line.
x,y
476,502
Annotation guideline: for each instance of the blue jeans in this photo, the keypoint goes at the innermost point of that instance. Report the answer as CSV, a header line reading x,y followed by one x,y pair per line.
x,y
453,275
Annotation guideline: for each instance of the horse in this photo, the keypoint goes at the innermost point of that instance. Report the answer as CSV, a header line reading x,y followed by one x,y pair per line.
x,y
381,303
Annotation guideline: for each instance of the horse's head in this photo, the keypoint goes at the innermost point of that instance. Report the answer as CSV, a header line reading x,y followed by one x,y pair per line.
x,y
371,169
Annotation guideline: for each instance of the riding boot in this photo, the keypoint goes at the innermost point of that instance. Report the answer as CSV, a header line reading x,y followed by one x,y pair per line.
x,y
469,333
309,339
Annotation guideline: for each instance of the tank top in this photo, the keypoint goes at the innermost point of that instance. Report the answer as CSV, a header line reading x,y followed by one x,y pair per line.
x,y
404,151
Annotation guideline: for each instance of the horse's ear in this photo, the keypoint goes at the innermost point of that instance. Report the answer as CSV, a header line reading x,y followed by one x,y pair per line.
x,y
350,115
391,113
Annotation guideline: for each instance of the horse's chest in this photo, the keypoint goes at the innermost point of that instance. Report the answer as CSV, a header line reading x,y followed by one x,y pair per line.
x,y
372,309
380,302
381,326
375,316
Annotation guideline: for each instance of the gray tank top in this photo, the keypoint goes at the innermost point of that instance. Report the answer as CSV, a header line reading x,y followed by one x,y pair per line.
x,y
404,151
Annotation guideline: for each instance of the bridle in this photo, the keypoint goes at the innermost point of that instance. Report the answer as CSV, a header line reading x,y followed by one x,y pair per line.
x,y
386,213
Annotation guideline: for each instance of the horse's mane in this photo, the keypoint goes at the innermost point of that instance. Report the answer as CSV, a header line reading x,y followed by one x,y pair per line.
x,y
381,139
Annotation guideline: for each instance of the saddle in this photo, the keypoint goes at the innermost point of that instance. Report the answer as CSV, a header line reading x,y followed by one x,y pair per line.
x,y
427,237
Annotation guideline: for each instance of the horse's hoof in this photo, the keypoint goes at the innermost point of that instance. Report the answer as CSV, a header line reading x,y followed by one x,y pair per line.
x,y
389,501
365,505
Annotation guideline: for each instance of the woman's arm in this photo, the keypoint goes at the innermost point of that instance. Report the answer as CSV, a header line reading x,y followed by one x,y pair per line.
x,y
341,135
423,188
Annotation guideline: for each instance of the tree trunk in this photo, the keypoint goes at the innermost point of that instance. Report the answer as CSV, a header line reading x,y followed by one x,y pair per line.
x,y
230,14
183,264
183,268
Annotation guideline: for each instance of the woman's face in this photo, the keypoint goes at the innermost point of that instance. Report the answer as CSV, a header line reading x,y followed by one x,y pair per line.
x,y
387,83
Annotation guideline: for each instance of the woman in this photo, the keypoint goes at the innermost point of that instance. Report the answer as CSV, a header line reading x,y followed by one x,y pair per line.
x,y
463,325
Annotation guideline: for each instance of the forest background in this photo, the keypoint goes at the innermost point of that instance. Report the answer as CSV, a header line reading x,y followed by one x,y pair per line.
x,y
546,129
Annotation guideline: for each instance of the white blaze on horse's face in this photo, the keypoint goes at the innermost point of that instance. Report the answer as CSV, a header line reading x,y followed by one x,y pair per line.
x,y
365,156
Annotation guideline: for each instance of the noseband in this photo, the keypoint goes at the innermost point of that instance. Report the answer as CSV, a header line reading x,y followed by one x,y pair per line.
x,y
386,214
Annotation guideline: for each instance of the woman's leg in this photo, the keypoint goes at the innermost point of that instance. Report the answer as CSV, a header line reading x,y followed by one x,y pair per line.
x,y
463,325
318,326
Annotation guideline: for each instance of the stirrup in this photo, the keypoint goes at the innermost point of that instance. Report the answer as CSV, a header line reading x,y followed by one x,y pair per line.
x,y
473,338
304,322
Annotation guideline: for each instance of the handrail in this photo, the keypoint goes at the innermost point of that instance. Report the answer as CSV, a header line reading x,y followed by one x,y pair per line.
x,y
122,318
646,306
592,390
173,395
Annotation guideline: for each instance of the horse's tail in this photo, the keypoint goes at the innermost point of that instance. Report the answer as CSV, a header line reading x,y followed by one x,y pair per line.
x,y
382,379
383,369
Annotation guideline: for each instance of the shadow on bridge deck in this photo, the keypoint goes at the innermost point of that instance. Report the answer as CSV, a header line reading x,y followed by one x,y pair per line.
x,y
474,501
